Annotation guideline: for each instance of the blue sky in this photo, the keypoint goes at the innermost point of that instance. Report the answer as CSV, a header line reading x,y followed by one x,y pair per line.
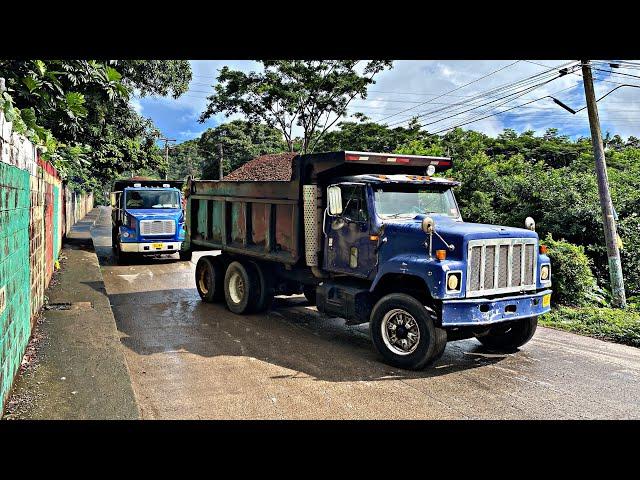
x,y
417,86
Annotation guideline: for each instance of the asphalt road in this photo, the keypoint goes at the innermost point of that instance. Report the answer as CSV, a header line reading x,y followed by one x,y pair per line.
x,y
192,360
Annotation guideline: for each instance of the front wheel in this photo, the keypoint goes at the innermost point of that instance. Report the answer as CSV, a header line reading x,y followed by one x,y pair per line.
x,y
509,336
404,332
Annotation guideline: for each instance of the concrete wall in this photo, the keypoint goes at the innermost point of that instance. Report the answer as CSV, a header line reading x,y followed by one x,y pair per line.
x,y
36,210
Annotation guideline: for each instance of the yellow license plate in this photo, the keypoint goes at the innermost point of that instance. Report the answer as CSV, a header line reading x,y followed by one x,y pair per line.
x,y
157,246
546,300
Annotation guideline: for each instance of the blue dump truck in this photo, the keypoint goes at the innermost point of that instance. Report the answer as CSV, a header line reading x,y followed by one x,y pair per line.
x,y
147,218
370,237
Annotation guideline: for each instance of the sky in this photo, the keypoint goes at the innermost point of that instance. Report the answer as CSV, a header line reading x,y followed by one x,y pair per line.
x,y
429,88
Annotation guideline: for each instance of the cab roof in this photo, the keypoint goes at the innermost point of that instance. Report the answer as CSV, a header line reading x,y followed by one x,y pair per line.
x,y
383,179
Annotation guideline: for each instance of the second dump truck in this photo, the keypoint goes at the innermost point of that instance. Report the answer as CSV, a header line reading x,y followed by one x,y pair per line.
x,y
370,237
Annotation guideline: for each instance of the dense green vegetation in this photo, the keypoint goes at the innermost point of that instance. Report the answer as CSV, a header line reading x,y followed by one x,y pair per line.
x,y
78,111
622,326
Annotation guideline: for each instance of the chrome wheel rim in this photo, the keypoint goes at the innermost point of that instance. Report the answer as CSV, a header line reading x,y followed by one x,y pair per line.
x,y
400,332
236,287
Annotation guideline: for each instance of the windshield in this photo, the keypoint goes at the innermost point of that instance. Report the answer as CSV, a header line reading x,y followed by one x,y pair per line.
x,y
153,199
397,203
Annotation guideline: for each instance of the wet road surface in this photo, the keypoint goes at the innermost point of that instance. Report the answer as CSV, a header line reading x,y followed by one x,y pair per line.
x,y
193,360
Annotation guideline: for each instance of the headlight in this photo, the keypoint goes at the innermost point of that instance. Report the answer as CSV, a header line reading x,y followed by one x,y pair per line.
x,y
126,234
453,281
545,270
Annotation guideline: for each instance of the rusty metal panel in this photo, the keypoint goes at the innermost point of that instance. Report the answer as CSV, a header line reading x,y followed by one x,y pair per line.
x,y
238,223
216,219
202,218
259,223
284,228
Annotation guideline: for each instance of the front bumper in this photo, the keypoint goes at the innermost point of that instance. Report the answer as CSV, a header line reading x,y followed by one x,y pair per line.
x,y
485,311
151,247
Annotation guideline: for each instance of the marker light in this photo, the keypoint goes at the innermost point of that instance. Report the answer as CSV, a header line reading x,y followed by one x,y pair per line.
x,y
543,249
431,169
441,254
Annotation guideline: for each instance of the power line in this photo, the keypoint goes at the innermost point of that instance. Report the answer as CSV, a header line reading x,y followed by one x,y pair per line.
x,y
517,95
490,93
457,88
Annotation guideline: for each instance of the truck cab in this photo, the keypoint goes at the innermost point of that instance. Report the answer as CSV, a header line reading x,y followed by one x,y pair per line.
x,y
405,233
147,218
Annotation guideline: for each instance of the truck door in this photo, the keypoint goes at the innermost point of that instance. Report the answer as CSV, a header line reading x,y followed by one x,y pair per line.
x,y
349,249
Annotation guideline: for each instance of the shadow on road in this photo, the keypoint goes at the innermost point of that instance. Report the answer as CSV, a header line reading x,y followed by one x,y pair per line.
x,y
291,335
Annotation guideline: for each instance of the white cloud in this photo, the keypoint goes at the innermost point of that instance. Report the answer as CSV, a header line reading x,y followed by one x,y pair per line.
x,y
136,105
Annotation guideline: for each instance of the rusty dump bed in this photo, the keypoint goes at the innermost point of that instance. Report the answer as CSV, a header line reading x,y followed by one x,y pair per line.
x,y
264,218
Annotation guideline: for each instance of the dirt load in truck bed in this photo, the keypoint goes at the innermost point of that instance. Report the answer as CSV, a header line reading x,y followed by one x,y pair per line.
x,y
266,168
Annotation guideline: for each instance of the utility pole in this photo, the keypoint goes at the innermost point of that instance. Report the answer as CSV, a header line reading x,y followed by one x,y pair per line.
x,y
610,232
166,154
220,175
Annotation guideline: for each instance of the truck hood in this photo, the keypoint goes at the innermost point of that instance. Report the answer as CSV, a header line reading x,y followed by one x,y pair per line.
x,y
156,214
407,234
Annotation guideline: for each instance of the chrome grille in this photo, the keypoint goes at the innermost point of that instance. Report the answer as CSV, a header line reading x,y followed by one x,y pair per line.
x,y
501,266
157,227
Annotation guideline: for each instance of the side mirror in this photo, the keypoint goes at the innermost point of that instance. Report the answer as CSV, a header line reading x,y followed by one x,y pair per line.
x,y
334,195
530,224
113,199
428,225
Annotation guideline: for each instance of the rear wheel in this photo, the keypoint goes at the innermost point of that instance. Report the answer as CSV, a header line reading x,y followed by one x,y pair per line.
x,y
405,333
265,280
509,336
210,279
241,287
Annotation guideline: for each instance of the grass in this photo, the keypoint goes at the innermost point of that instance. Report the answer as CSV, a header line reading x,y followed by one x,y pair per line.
x,y
620,326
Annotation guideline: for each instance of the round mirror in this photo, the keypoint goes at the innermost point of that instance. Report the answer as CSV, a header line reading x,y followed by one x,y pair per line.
x,y
530,224
428,225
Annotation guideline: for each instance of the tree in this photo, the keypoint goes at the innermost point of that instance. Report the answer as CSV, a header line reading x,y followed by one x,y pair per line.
x,y
310,94
241,141
367,137
80,111
156,77
186,159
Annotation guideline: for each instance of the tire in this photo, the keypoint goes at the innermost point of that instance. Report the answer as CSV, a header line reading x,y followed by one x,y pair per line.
x,y
509,336
265,298
310,294
210,279
394,309
185,256
241,287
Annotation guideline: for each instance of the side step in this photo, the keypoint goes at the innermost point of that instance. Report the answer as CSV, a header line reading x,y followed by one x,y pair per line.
x,y
351,302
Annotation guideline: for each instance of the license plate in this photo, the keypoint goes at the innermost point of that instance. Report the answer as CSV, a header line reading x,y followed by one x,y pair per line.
x,y
546,300
156,246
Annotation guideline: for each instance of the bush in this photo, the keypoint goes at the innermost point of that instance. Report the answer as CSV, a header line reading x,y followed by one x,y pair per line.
x,y
621,326
629,231
573,282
